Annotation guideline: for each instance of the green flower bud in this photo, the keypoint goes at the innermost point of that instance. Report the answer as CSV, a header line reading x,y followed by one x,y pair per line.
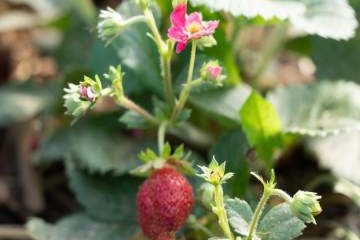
x,y
112,24
115,75
207,194
305,205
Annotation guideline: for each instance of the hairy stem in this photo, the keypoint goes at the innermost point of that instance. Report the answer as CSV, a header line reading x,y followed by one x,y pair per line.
x,y
186,90
192,62
258,212
165,52
154,29
161,137
282,194
221,212
166,74
127,103
136,19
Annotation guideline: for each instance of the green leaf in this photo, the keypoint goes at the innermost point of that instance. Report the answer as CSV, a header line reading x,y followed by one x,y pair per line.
x,y
97,146
320,15
240,214
252,8
280,224
262,126
20,102
309,16
338,60
340,154
222,104
318,109
86,10
79,226
104,196
137,52
133,120
232,148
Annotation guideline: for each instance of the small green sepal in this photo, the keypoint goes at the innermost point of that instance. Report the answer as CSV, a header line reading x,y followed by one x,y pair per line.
x,y
215,173
152,161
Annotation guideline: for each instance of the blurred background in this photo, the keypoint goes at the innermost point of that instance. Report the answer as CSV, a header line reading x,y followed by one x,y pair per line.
x,y
42,43
45,44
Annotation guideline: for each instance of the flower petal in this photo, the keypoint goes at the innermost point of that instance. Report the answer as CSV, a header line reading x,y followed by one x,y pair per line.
x,y
178,16
194,17
180,46
177,34
210,27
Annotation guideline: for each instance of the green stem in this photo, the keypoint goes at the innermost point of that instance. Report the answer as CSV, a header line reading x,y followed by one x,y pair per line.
x,y
161,137
165,52
135,19
127,103
221,212
186,90
166,73
192,62
282,194
259,209
154,29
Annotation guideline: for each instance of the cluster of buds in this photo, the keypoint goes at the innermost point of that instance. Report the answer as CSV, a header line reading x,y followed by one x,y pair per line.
x,y
81,97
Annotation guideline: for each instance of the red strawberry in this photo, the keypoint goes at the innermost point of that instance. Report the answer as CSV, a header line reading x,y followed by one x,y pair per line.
x,y
164,202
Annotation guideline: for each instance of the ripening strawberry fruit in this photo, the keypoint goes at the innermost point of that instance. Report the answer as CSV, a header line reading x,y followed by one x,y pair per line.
x,y
164,202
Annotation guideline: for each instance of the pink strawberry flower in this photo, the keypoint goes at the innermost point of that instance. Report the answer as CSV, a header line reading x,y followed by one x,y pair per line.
x,y
187,27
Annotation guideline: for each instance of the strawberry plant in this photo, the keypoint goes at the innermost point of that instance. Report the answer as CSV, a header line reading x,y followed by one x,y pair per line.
x,y
192,102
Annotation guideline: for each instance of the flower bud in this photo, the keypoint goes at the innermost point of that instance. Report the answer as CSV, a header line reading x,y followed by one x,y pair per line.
x,y
211,72
111,24
215,173
115,75
305,205
74,103
87,93
79,98
207,194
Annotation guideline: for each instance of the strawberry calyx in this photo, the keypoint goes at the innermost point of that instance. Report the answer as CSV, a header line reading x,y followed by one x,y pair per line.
x,y
177,159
